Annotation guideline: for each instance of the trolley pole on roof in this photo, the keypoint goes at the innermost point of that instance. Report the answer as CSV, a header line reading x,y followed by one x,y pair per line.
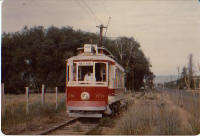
x,y
101,27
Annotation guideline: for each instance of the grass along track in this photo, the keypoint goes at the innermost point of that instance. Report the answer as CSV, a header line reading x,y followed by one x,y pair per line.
x,y
17,121
40,118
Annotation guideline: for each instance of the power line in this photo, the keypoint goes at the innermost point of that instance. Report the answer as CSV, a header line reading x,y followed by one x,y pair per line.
x,y
107,12
84,8
83,4
91,11
105,7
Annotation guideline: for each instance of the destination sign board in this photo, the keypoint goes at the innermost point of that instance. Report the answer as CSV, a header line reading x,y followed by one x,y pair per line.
x,y
85,63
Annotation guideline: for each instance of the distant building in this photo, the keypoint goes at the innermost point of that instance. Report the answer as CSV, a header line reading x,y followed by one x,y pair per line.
x,y
197,81
180,83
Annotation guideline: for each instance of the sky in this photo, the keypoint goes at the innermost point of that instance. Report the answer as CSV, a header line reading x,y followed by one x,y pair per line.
x,y
168,30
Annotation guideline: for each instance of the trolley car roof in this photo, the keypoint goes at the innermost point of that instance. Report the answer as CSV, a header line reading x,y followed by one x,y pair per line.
x,y
101,57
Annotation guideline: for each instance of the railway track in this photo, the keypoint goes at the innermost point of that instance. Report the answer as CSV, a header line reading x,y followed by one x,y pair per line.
x,y
74,126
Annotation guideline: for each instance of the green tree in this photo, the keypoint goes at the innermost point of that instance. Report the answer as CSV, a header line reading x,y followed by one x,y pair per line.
x,y
36,56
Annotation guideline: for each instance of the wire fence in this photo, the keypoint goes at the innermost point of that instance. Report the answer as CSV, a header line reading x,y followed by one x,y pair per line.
x,y
42,99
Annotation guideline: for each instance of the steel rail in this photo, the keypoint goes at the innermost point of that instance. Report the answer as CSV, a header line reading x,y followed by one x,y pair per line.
x,y
45,132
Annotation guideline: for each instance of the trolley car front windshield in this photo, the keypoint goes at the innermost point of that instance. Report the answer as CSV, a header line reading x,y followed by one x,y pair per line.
x,y
93,72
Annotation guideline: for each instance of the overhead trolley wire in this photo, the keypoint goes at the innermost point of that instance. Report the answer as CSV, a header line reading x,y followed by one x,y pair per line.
x,y
105,7
86,10
84,5
107,12
91,11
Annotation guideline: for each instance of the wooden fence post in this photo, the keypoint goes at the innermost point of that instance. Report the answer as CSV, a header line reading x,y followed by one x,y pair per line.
x,y
56,98
3,109
27,100
199,84
181,98
43,95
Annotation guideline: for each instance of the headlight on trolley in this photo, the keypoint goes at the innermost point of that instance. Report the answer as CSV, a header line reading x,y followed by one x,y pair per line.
x,y
85,96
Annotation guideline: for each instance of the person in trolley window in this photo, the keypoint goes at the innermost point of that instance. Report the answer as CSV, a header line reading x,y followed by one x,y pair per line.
x,y
89,77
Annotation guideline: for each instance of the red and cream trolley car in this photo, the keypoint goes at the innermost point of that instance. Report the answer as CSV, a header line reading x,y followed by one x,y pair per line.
x,y
94,82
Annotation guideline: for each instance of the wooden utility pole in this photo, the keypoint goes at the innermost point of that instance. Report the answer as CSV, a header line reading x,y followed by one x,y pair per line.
x,y
101,27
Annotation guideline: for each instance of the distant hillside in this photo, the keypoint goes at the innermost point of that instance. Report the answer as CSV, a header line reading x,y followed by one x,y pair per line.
x,y
165,78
